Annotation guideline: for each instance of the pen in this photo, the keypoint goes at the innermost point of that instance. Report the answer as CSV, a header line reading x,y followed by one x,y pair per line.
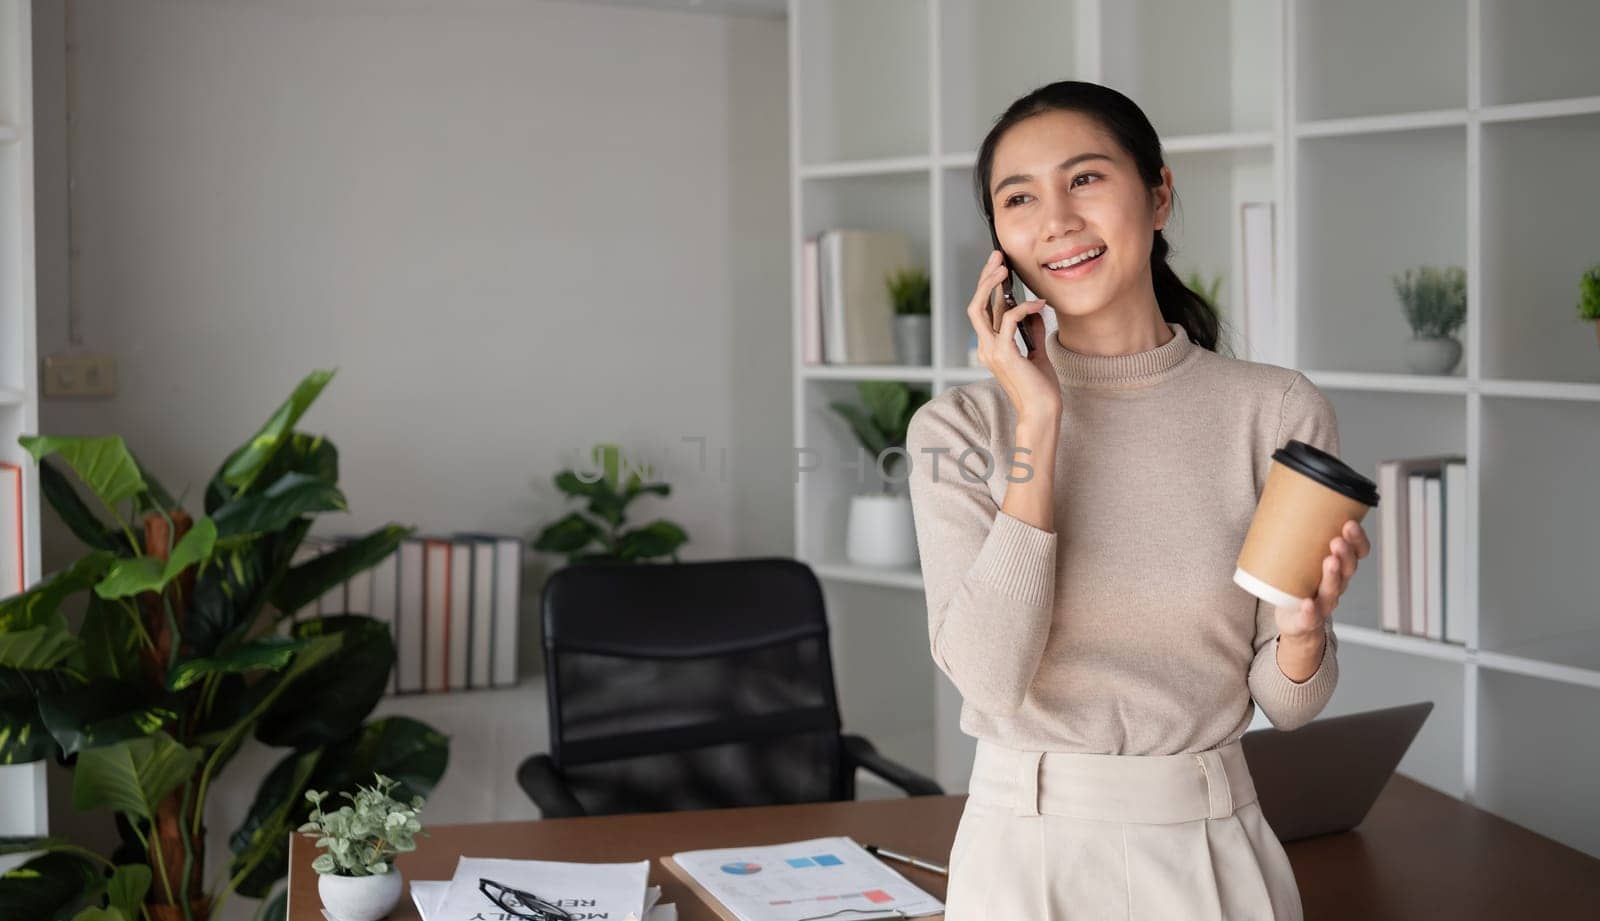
x,y
876,851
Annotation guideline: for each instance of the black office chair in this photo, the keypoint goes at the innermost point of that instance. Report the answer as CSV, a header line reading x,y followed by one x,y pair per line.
x,y
692,686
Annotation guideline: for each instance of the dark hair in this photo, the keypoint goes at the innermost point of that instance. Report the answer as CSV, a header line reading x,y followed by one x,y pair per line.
x,y
1124,120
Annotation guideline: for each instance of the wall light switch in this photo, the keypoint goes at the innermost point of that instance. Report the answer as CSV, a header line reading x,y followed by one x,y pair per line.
x,y
84,375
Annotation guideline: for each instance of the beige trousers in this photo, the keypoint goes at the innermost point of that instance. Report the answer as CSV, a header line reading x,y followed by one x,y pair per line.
x,y
1066,836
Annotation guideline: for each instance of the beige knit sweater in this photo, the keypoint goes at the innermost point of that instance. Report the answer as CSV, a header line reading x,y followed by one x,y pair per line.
x,y
1121,631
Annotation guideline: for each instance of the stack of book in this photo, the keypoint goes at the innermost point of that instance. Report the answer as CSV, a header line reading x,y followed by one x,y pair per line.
x,y
1423,547
848,317
451,603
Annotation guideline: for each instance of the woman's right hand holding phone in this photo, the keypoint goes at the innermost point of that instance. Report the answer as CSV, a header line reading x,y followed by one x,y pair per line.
x,y
1029,381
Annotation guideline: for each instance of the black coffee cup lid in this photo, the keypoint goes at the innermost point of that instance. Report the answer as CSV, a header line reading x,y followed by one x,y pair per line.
x,y
1328,470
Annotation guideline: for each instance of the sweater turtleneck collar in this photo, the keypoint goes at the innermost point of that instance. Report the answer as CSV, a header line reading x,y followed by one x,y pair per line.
x,y
1121,372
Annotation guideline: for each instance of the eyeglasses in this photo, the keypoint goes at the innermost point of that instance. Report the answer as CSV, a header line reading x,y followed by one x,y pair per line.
x,y
520,904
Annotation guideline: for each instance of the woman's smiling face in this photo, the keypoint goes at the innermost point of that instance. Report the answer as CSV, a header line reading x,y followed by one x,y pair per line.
x,y
1062,187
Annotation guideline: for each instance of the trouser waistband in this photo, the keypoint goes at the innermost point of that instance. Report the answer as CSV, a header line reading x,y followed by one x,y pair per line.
x,y
1158,789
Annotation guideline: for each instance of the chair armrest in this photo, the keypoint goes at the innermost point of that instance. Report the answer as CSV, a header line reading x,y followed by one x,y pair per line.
x,y
861,753
538,777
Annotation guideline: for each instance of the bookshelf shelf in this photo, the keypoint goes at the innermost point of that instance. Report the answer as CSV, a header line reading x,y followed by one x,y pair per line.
x,y
879,167
923,373
1381,124
868,575
1382,639
1452,143
1389,383
1531,111
9,134
1541,390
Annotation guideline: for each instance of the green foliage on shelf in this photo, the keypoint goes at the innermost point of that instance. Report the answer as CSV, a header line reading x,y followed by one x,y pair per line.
x,y
600,535
1210,290
1433,300
880,426
180,657
363,838
910,291
1589,293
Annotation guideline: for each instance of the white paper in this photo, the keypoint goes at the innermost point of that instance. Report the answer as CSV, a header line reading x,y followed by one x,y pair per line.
x,y
806,879
591,891
427,894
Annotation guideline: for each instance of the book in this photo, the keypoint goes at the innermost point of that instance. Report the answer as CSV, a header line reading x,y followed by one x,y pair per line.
x,y
1456,609
460,624
409,652
481,660
507,601
810,304
435,614
858,315
386,606
1433,554
799,880
1416,559
13,573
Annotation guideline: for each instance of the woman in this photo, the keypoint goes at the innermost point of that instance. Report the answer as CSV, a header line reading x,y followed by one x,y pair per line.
x,y
1078,517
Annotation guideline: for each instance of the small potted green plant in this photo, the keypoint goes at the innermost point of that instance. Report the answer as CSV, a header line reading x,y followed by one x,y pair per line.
x,y
880,528
1589,298
607,490
356,875
911,294
1434,302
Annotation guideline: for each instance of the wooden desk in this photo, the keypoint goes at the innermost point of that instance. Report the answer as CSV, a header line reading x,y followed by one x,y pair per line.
x,y
1419,854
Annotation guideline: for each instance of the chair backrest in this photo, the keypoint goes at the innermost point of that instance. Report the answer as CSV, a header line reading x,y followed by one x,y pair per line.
x,y
691,685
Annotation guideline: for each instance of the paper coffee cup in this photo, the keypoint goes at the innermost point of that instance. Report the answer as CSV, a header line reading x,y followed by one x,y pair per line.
x,y
1309,496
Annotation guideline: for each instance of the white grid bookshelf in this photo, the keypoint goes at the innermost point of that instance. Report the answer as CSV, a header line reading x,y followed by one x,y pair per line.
x,y
1459,141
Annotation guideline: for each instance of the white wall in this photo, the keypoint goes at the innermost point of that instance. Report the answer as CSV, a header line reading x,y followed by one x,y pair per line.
x,y
516,227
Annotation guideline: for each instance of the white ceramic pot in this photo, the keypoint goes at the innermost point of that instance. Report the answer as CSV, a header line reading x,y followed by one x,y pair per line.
x,y
881,531
1433,354
359,898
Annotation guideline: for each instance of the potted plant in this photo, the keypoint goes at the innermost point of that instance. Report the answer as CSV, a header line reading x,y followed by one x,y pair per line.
x,y
1434,302
182,654
911,294
1589,298
600,534
1210,290
880,528
356,875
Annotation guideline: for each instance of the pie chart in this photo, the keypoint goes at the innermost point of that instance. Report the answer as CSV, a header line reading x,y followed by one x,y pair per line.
x,y
741,868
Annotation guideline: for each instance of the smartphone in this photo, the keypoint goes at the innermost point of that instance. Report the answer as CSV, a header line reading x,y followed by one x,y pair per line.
x,y
1007,296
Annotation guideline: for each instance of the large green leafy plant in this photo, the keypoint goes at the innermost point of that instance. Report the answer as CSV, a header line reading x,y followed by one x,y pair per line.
x,y
600,532
881,422
182,654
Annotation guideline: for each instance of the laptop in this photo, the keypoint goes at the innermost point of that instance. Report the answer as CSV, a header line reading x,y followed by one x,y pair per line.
x,y
1325,776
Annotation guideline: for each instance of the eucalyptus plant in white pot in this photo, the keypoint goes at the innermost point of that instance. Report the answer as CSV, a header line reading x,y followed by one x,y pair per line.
x,y
1434,302
881,531
356,875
